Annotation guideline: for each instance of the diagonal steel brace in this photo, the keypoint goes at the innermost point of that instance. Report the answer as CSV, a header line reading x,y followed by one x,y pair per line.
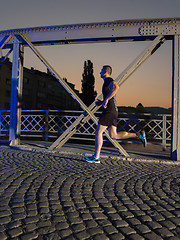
x,y
120,80
4,41
27,39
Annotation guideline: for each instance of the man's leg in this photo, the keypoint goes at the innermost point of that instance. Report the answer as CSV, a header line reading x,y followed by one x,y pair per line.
x,y
120,135
124,135
99,140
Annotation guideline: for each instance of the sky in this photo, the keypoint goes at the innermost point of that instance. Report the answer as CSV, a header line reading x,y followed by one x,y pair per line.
x,y
149,85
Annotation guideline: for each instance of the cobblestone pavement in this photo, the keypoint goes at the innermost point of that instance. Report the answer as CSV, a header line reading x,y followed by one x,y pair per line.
x,y
47,195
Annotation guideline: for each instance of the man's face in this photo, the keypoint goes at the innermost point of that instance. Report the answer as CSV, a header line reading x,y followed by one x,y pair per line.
x,y
102,73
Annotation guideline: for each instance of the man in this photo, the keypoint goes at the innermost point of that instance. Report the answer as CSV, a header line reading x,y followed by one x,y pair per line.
x,y
109,116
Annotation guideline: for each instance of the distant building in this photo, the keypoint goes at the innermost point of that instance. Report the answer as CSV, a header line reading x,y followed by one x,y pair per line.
x,y
40,90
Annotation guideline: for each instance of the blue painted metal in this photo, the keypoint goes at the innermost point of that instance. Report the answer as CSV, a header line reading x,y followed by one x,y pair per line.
x,y
14,93
3,43
3,40
4,57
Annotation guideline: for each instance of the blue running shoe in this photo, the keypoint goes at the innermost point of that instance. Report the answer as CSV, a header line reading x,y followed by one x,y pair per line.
x,y
92,160
91,157
142,138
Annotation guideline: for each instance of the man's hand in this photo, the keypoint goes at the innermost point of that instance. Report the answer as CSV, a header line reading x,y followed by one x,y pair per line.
x,y
98,102
105,102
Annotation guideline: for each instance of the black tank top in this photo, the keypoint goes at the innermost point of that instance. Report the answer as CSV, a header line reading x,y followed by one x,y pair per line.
x,y
111,106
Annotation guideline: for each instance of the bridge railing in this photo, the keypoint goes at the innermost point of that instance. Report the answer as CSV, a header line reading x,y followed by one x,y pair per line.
x,y
50,124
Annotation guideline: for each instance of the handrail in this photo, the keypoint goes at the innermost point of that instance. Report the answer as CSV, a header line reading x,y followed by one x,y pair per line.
x,y
49,124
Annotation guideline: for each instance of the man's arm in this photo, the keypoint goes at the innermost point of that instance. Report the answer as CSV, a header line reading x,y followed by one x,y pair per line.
x,y
114,88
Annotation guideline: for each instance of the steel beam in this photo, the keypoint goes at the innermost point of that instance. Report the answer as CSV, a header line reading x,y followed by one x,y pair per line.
x,y
119,30
175,139
20,89
158,41
14,93
5,41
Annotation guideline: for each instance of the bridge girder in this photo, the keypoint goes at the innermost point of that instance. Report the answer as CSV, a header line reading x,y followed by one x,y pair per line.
x,y
120,30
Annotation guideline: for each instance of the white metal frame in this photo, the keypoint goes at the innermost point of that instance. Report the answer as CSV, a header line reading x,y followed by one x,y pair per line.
x,y
49,124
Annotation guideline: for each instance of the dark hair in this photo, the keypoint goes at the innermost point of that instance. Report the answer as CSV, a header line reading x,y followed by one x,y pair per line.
x,y
108,69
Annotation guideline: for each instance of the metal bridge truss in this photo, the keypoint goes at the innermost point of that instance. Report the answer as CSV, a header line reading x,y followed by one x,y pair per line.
x,y
155,30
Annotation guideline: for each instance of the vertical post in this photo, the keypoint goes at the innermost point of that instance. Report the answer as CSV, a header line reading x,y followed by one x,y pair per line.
x,y
164,133
20,88
0,122
16,93
175,136
46,125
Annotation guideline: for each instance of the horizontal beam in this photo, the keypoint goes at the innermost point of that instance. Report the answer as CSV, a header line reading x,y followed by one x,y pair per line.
x,y
120,30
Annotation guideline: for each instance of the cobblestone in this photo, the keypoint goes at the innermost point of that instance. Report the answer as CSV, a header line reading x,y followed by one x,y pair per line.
x,y
53,195
3,236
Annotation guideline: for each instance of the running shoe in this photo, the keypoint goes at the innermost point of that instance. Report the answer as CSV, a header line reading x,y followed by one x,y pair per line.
x,y
92,159
142,138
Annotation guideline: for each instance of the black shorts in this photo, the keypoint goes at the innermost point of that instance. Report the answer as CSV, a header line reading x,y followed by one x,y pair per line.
x,y
108,118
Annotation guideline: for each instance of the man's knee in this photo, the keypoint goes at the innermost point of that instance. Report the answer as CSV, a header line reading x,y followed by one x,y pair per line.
x,y
113,135
100,129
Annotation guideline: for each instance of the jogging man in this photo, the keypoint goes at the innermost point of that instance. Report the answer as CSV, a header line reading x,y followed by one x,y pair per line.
x,y
108,118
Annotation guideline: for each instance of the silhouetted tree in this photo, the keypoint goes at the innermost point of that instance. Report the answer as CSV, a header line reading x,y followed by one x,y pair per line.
x,y
88,93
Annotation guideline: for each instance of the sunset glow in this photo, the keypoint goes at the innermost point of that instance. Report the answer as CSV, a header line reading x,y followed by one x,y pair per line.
x,y
149,85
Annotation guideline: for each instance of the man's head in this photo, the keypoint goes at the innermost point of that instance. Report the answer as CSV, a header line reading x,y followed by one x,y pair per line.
x,y
106,71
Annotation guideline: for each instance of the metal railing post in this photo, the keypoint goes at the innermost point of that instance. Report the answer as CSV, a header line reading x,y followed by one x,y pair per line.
x,y
46,123
164,133
0,122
